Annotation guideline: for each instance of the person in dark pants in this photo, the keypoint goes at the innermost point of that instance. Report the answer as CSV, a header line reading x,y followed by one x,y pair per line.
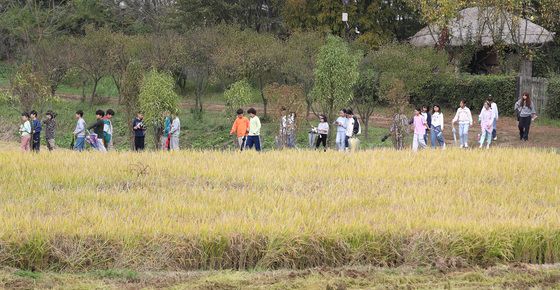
x,y
323,131
139,132
526,114
254,134
36,129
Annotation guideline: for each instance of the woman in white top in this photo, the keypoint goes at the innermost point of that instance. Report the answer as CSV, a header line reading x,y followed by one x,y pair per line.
x,y
323,131
25,131
437,128
464,117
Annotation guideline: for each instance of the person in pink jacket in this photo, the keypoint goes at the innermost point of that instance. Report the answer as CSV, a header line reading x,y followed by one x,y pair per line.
x,y
487,124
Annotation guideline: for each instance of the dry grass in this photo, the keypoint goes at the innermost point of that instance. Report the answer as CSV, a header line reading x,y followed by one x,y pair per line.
x,y
222,210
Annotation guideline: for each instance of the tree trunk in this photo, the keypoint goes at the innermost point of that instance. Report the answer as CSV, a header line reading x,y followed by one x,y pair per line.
x,y
84,83
94,92
366,125
264,100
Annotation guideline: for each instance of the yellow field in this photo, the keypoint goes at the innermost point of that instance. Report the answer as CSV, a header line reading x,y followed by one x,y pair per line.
x,y
217,210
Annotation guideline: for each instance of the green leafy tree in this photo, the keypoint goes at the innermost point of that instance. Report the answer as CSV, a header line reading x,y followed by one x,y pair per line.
x,y
50,59
238,95
157,95
335,76
366,95
30,90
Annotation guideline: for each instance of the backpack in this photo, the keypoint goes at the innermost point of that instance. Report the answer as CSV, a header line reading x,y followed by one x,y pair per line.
x,y
357,127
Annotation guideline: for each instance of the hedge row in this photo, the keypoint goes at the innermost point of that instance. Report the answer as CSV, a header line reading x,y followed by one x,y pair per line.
x,y
447,91
553,103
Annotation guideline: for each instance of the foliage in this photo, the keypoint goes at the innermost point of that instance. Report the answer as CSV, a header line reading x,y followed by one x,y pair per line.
x,y
290,97
335,75
238,95
157,96
31,90
447,91
50,57
415,67
366,95
131,83
553,102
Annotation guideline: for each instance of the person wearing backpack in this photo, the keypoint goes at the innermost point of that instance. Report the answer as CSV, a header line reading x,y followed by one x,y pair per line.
x,y
50,128
25,131
108,129
36,128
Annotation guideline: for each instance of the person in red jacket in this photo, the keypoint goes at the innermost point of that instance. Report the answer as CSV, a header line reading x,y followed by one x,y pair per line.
x,y
240,128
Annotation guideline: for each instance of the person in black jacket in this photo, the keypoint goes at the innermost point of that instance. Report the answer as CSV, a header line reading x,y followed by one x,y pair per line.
x,y
139,132
98,125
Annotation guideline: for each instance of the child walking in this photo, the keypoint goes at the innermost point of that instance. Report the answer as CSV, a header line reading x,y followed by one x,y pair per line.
x,y
486,124
50,128
175,132
340,124
80,132
323,131
25,132
436,131
36,128
419,124
108,129
253,138
240,128
464,117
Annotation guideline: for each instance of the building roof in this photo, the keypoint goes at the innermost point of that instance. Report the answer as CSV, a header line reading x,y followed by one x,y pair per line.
x,y
485,26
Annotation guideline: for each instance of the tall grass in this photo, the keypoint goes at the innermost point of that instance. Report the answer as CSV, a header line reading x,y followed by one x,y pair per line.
x,y
224,210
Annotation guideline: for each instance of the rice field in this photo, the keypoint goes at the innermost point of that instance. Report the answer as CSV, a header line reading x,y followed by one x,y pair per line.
x,y
200,210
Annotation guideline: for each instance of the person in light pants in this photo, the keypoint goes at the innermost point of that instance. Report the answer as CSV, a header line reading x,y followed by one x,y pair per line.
x,y
419,124
465,120
486,124
340,124
175,133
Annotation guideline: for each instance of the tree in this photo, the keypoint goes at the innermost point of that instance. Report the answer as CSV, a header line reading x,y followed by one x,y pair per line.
x,y
299,61
131,83
366,95
124,50
91,55
50,58
415,67
335,76
30,90
238,95
157,96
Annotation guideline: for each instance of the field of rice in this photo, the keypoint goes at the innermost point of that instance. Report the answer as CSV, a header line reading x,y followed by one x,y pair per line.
x,y
190,210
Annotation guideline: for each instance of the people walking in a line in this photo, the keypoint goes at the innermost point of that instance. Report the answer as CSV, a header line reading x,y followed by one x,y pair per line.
x,y
98,125
323,131
487,124
50,130
340,124
139,132
108,129
436,130
428,118
253,138
36,128
419,125
25,132
175,132
526,113
240,128
465,120
349,128
80,132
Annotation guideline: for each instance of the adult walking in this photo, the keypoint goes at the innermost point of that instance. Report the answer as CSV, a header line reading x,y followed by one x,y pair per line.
x,y
340,124
436,130
175,132
139,132
465,120
526,113
323,131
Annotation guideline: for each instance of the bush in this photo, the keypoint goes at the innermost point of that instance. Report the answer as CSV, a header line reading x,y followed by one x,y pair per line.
x,y
448,90
553,103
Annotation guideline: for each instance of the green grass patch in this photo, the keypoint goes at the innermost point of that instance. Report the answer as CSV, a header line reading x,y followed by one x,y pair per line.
x,y
28,274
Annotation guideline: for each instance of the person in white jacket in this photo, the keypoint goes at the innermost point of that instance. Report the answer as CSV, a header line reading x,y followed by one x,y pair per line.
x,y
175,132
465,120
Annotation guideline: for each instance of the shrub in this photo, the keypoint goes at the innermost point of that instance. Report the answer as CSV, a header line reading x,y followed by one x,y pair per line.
x,y
448,90
553,103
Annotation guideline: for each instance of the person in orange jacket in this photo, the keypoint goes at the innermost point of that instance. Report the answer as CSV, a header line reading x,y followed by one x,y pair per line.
x,y
240,128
